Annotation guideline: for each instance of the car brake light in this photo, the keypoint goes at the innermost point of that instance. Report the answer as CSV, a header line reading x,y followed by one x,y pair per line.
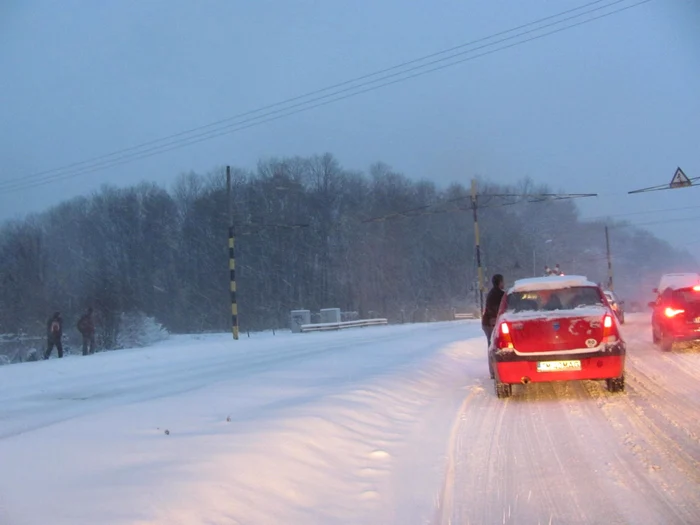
x,y
505,341
696,288
672,312
609,333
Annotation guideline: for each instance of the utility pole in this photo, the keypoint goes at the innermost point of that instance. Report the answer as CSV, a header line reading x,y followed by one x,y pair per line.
x,y
478,247
231,256
607,248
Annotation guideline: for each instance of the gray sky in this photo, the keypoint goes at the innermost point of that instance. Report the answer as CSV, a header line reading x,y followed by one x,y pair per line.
x,y
604,108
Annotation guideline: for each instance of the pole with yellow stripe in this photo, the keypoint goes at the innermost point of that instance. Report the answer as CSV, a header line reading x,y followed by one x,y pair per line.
x,y
478,247
232,258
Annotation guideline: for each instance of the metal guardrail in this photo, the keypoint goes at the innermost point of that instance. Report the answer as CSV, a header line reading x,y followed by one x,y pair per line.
x,y
464,316
324,327
12,338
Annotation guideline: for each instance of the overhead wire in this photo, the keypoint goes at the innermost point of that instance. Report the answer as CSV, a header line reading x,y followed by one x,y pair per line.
x,y
662,210
108,162
306,95
679,219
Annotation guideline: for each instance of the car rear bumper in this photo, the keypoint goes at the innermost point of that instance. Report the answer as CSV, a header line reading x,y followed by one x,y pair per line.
x,y
513,368
687,335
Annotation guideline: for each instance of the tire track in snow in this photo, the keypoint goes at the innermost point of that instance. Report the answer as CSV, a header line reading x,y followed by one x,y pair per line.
x,y
650,459
446,499
514,461
631,481
650,395
661,387
571,478
550,454
465,444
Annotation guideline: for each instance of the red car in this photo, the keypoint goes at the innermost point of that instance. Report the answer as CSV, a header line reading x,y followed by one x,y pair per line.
x,y
557,328
676,314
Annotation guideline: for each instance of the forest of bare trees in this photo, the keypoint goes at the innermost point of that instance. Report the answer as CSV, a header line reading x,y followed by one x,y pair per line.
x,y
303,241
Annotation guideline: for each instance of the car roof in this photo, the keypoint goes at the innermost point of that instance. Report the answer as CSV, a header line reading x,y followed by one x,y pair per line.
x,y
552,282
677,281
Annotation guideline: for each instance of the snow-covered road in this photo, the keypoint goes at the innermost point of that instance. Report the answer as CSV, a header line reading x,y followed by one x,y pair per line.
x,y
381,425
574,453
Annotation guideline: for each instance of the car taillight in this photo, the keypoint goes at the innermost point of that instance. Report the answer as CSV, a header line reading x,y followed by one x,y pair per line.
x,y
505,340
609,332
672,312
696,288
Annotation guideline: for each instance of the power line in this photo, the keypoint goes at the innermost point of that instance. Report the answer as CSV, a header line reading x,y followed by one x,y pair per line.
x,y
663,210
425,208
664,221
306,95
105,162
663,187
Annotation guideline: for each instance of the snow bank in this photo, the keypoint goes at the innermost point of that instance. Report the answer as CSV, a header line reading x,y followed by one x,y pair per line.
x,y
554,282
137,330
351,428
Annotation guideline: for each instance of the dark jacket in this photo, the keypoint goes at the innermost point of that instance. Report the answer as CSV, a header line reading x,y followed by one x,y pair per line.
x,y
86,325
54,328
493,302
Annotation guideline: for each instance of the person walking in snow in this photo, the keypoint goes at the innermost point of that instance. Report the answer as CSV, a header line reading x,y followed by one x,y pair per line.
x,y
54,334
86,327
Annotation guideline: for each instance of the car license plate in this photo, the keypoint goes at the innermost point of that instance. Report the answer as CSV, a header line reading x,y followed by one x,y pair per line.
x,y
558,366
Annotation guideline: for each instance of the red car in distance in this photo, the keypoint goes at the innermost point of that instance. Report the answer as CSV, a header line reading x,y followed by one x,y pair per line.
x,y
556,328
676,311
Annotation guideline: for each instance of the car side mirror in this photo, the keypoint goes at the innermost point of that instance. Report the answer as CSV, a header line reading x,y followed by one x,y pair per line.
x,y
651,304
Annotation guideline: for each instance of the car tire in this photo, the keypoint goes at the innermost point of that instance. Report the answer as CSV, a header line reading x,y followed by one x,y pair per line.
x,y
666,343
616,384
654,339
503,390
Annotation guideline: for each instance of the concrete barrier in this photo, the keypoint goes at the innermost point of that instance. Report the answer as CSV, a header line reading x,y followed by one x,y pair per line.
x,y
324,327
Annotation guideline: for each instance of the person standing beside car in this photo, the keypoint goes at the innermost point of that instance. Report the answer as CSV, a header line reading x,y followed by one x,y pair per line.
x,y
493,302
86,327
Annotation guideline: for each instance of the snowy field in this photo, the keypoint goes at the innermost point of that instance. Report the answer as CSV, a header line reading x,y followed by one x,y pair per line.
x,y
385,425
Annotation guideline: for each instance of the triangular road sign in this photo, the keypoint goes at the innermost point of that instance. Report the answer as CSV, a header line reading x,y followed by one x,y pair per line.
x,y
680,179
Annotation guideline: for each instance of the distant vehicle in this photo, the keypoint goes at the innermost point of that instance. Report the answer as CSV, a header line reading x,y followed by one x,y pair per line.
x,y
676,311
557,328
617,305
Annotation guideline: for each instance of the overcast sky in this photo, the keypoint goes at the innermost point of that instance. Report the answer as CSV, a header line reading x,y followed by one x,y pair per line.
x,y
604,108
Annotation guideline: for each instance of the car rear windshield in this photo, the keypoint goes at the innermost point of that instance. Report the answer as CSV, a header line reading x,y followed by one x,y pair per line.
x,y
549,300
686,296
